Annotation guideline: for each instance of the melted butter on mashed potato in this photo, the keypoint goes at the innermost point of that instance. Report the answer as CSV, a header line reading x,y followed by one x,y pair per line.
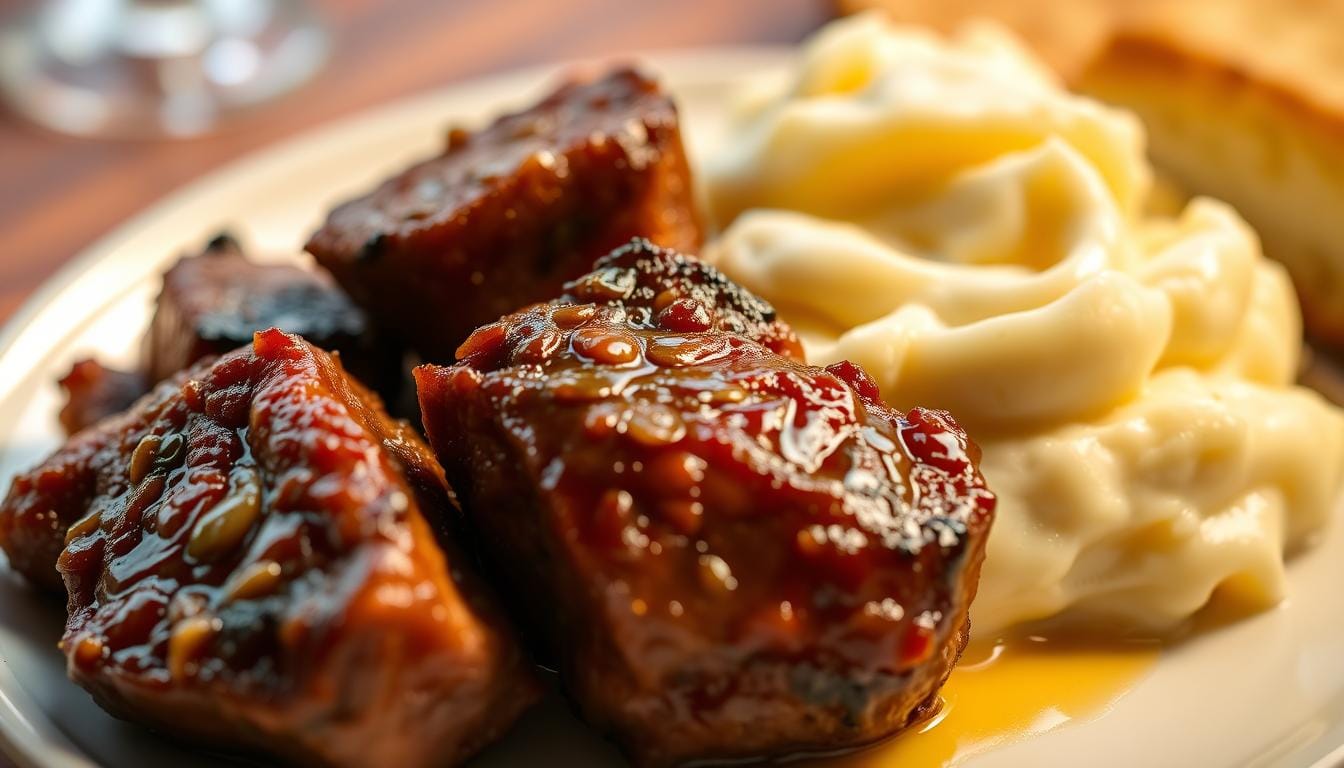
x,y
944,214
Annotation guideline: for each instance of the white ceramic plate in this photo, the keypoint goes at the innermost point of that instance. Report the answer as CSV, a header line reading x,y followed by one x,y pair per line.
x,y
1268,691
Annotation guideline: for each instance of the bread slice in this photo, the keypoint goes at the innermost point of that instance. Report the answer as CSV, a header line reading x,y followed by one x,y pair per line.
x,y
1064,35
1245,101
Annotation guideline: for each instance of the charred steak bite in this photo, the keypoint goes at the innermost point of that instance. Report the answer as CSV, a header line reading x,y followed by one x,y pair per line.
x,y
254,558
507,214
213,302
728,554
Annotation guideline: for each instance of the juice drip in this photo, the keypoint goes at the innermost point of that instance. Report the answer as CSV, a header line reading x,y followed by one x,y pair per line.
x,y
1010,691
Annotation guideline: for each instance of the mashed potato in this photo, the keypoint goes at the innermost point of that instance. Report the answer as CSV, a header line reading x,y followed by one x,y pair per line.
x,y
944,214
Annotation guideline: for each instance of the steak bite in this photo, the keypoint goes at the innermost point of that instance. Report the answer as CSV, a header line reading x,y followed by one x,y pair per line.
x,y
254,557
93,392
507,214
213,302
729,554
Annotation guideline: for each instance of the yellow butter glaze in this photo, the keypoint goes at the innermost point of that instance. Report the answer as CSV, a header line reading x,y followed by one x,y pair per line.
x,y
1009,691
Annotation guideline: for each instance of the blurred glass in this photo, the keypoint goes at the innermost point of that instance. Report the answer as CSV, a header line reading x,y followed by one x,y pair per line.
x,y
139,68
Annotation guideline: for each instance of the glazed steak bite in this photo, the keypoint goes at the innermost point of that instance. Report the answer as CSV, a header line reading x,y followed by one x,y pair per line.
x,y
213,302
652,286
729,554
507,214
253,558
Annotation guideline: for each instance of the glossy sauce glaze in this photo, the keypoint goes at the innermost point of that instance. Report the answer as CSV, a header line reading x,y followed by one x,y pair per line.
x,y
653,287
251,560
729,553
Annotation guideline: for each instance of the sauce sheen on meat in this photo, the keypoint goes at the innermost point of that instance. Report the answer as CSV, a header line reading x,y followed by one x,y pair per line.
x,y
729,554
256,556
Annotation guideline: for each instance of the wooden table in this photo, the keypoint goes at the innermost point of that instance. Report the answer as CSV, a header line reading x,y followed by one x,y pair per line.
x,y
59,194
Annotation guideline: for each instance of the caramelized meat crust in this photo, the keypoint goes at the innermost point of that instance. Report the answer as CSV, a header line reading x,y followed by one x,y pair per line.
x,y
93,392
728,553
506,215
213,302
254,556
654,286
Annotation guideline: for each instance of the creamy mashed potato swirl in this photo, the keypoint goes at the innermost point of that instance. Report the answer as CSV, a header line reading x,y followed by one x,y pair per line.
x,y
944,214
